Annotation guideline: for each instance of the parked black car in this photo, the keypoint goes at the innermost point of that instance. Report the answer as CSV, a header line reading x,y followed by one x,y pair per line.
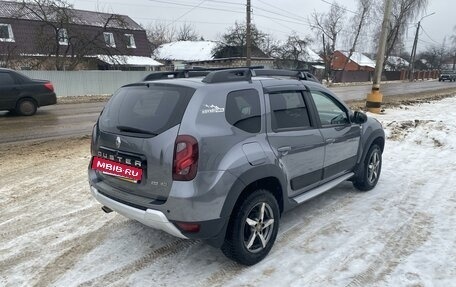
x,y
447,76
24,95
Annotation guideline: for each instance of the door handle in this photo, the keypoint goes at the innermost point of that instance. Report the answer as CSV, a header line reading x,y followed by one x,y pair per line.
x,y
330,141
284,150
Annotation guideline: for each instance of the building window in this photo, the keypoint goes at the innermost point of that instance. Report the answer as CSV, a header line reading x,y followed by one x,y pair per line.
x,y
109,39
130,41
63,36
6,33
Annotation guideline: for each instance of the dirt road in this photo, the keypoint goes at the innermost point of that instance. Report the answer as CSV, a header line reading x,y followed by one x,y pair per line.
x,y
53,233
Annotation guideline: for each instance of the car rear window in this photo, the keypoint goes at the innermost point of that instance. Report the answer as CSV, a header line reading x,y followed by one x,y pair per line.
x,y
145,110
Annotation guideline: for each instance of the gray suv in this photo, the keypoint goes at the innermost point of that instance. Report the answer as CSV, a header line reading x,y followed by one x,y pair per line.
x,y
221,157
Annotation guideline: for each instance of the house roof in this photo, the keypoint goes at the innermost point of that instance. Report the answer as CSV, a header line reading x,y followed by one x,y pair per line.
x,y
129,61
186,51
18,10
311,56
397,61
360,59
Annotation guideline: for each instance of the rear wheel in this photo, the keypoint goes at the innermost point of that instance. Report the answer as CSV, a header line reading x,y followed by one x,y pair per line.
x,y
253,228
370,174
26,107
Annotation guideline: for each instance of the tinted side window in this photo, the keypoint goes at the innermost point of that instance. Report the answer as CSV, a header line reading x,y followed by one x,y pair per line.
x,y
329,110
6,79
243,110
288,111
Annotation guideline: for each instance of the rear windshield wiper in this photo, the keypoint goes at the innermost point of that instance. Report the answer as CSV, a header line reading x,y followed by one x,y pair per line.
x,y
135,130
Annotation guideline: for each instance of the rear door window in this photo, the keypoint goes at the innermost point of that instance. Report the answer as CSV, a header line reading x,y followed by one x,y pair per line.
x,y
288,111
6,79
145,110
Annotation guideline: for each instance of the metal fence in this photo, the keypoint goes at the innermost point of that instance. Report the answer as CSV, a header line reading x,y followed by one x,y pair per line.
x,y
78,83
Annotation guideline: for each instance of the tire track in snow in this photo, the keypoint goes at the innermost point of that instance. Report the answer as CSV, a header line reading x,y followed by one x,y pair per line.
x,y
74,250
154,256
399,244
32,253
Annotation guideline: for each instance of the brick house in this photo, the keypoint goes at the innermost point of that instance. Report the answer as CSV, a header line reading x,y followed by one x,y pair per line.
x,y
34,36
357,62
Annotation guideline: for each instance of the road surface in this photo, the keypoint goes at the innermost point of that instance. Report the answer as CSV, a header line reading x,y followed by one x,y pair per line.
x,y
68,120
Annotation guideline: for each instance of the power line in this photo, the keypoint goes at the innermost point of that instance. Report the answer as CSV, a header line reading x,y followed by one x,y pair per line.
x,y
428,35
341,7
275,13
200,7
186,13
283,10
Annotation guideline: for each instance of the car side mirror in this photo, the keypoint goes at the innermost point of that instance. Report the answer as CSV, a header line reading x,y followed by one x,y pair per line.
x,y
359,117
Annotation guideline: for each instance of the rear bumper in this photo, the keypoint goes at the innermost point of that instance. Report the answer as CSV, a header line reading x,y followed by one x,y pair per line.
x,y
47,99
152,218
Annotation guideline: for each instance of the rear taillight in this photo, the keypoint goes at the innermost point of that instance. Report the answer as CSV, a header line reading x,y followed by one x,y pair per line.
x,y
49,86
93,139
185,163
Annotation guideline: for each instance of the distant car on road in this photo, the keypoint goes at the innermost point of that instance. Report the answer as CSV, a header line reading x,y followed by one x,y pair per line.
x,y
447,76
23,95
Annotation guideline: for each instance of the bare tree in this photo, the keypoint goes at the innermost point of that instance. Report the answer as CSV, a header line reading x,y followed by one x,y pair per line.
x,y
9,55
435,56
187,33
293,53
403,12
271,47
360,19
235,37
329,25
60,36
453,41
160,33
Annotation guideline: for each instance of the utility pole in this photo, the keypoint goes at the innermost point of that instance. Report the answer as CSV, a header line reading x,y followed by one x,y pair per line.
x,y
248,37
326,58
374,99
415,43
412,56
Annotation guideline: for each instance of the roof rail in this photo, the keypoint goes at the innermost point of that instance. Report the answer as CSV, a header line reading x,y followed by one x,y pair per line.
x,y
188,73
229,75
220,75
280,73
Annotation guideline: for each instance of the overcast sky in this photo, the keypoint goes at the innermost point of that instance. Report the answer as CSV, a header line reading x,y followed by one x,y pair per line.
x,y
212,17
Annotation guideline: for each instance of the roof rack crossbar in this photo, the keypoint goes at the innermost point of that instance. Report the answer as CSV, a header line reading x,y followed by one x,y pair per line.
x,y
229,75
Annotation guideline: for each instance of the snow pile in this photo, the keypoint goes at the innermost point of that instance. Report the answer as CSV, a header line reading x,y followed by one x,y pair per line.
x,y
186,51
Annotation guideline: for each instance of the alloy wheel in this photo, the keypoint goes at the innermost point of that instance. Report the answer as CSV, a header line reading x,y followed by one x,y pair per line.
x,y
258,227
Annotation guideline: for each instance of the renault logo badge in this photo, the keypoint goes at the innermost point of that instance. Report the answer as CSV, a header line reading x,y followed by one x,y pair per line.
x,y
118,142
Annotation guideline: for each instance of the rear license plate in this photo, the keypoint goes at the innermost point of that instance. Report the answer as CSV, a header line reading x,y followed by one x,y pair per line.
x,y
113,168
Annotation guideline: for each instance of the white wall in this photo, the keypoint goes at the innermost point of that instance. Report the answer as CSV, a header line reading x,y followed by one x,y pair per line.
x,y
78,83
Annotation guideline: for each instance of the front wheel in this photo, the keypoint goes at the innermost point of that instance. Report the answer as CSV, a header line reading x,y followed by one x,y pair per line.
x,y
253,228
370,174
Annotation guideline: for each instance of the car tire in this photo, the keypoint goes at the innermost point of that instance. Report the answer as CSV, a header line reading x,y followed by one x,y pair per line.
x,y
253,228
26,107
370,171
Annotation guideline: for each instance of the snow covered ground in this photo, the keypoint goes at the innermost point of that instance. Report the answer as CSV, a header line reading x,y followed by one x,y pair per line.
x,y
402,233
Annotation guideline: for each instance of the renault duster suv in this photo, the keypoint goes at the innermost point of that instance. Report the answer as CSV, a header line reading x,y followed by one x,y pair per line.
x,y
221,157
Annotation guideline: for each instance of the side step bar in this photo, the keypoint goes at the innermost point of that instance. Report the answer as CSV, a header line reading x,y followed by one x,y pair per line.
x,y
322,188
